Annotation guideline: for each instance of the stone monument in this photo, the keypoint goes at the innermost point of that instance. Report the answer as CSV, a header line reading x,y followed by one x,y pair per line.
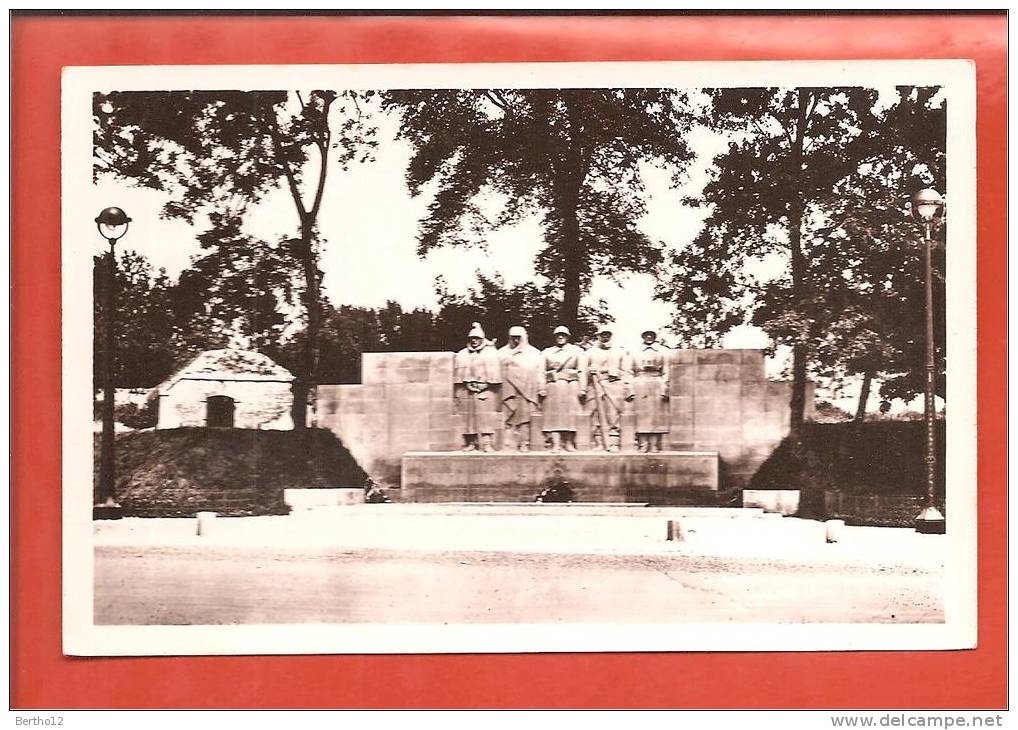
x,y
403,426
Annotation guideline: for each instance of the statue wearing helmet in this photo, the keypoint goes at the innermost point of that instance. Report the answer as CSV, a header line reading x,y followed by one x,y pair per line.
x,y
476,372
650,390
563,381
609,382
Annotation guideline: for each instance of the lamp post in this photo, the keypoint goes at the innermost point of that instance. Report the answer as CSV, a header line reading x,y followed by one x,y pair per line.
x,y
112,224
928,209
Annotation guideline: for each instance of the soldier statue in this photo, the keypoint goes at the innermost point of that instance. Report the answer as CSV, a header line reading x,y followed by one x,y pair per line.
x,y
650,388
563,381
522,377
476,372
609,382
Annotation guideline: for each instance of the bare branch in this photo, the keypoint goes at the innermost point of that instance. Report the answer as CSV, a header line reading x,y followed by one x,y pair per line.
x,y
269,116
323,149
496,99
813,100
500,95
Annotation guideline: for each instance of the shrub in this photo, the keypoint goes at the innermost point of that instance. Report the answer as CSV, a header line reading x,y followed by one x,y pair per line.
x,y
137,417
556,489
872,457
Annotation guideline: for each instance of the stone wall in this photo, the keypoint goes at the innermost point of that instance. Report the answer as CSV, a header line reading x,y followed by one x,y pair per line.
x,y
721,401
258,404
404,404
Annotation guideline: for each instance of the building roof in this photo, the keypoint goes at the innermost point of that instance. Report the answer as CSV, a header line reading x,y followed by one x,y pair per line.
x,y
230,364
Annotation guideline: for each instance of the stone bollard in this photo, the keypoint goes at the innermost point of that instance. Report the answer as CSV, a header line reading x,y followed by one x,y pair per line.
x,y
675,532
205,522
834,530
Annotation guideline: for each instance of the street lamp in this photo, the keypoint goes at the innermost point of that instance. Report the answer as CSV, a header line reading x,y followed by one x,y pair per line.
x,y
928,210
112,224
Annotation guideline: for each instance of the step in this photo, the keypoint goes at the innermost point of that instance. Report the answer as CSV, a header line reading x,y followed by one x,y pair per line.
x,y
594,476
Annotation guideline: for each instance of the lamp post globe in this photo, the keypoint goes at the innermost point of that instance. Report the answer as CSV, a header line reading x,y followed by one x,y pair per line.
x,y
927,210
112,224
927,206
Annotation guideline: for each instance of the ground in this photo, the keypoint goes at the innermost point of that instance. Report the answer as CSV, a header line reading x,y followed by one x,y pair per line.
x,y
449,564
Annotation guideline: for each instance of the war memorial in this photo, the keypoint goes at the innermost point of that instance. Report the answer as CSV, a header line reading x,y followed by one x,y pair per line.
x,y
405,425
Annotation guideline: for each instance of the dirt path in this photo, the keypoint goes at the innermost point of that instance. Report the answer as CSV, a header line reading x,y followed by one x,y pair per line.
x,y
231,585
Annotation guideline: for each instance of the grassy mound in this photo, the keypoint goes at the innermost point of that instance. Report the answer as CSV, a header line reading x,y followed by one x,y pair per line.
x,y
182,471
877,468
878,457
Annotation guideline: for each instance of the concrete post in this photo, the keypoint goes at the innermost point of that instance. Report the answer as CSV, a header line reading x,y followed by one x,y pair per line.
x,y
205,523
835,528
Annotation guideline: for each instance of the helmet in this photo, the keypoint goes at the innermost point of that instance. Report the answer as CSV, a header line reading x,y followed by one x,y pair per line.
x,y
476,331
561,330
517,331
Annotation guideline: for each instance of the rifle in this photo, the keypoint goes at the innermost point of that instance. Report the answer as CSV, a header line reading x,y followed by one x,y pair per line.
x,y
472,414
601,417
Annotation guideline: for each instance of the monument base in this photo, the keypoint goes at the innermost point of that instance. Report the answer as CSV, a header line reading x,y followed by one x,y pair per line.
x,y
668,477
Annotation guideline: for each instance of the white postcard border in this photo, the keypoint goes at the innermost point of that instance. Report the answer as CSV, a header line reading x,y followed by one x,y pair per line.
x,y
78,208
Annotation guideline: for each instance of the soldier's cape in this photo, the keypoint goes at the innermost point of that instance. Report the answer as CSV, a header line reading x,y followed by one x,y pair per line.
x,y
523,369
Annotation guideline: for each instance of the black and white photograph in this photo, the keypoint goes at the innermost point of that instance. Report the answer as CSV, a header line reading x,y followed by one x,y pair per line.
x,y
519,357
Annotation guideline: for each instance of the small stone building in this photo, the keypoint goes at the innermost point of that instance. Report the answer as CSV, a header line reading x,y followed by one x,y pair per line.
x,y
228,389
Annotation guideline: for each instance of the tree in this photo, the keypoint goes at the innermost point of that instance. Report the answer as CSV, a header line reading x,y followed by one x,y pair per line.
x,y
347,332
245,287
793,178
144,322
912,139
219,152
869,252
571,157
499,307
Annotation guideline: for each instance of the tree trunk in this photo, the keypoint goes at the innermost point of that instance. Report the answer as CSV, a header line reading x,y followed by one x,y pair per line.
x,y
796,209
799,348
572,257
571,292
305,384
864,395
572,175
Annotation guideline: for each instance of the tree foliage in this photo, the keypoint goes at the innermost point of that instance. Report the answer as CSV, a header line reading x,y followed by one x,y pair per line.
x,y
218,152
817,180
572,157
348,331
145,324
498,307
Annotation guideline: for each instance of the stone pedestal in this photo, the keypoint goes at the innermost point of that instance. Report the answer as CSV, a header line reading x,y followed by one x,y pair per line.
x,y
671,477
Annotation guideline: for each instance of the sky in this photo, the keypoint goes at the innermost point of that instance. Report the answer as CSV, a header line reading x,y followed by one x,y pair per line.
x,y
369,224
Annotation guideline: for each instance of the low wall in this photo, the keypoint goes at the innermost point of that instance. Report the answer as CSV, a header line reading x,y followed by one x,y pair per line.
x,y
721,400
875,510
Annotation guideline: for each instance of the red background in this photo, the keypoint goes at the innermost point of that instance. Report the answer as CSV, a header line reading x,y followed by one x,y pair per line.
x,y
42,677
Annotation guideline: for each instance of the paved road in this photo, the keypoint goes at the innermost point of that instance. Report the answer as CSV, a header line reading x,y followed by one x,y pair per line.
x,y
231,585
